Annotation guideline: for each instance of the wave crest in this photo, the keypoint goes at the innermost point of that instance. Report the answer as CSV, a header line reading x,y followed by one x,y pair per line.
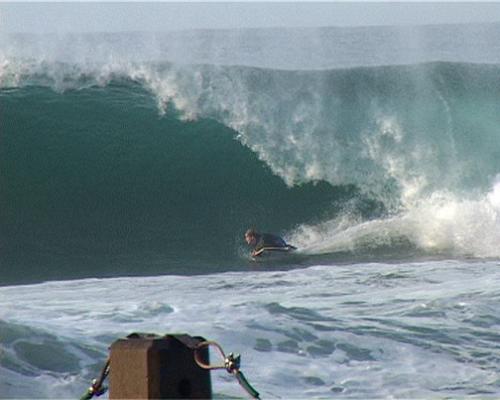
x,y
421,139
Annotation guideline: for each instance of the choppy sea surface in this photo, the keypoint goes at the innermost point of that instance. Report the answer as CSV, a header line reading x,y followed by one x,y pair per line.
x,y
402,330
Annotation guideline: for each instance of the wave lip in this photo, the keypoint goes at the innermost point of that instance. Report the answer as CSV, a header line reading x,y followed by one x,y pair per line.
x,y
308,126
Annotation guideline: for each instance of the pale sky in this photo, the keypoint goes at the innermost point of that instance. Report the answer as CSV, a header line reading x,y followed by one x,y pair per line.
x,y
164,16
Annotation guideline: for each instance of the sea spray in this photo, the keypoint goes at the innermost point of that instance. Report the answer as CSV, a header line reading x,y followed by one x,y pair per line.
x,y
441,224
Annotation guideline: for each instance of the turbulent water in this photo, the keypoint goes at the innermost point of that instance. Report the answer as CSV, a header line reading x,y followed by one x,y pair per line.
x,y
131,165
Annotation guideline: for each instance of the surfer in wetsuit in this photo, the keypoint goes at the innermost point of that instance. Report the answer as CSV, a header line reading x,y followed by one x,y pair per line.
x,y
265,241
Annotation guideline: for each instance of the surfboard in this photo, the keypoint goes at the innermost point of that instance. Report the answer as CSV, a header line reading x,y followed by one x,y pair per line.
x,y
274,250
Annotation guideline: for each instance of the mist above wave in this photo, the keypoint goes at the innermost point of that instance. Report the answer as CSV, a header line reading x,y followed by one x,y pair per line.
x,y
280,48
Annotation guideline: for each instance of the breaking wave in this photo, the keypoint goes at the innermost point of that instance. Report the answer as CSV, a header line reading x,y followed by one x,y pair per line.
x,y
120,162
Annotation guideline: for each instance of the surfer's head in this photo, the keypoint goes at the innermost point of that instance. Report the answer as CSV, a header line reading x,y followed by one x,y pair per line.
x,y
251,237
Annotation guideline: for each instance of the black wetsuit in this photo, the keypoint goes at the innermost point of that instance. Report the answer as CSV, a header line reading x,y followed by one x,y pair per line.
x,y
269,240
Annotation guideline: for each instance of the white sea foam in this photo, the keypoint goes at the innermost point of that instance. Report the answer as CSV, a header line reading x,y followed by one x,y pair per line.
x,y
373,330
440,223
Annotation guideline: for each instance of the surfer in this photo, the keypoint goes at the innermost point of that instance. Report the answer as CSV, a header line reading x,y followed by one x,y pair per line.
x,y
265,241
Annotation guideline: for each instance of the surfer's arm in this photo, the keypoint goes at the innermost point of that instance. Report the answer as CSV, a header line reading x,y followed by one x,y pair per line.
x,y
258,252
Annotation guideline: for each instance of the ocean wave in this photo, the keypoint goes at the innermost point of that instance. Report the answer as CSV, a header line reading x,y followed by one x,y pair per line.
x,y
138,161
411,124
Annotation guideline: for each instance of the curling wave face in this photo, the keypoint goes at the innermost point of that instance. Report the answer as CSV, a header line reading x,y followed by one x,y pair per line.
x,y
119,159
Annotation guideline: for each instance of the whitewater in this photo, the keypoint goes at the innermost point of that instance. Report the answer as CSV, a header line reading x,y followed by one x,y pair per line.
x,y
131,164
